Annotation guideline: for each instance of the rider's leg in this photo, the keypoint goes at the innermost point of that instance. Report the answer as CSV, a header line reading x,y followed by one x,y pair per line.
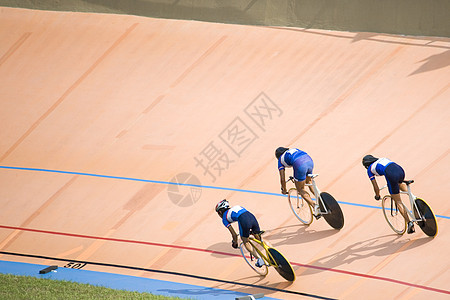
x,y
249,225
300,186
308,182
302,167
403,212
394,176
403,187
249,247
400,206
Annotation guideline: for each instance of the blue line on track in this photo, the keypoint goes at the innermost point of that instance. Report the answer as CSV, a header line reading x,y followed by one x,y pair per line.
x,y
182,184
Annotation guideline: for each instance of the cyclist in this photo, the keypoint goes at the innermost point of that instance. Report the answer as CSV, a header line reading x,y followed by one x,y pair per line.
x,y
394,175
303,165
247,225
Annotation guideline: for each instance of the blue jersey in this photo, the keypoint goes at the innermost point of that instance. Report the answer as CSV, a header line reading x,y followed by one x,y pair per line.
x,y
378,168
287,159
232,215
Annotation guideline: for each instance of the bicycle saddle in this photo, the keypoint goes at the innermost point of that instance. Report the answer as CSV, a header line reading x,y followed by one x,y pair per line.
x,y
408,182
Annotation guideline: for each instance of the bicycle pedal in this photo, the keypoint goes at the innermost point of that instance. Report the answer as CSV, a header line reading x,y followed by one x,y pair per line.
x,y
318,216
411,228
259,263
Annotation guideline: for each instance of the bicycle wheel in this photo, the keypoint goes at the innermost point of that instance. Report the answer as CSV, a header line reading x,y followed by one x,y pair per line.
x,y
251,261
393,215
429,224
301,209
282,265
334,217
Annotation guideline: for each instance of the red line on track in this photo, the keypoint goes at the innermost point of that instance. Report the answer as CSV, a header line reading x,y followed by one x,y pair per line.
x,y
224,253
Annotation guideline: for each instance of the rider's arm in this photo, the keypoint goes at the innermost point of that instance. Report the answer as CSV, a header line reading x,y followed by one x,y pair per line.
x,y
376,189
283,181
233,233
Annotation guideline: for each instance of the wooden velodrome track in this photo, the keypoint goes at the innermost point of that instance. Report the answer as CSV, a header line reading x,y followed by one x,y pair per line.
x,y
101,113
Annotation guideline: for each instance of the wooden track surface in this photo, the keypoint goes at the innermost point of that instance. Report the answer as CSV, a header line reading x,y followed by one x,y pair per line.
x,y
120,106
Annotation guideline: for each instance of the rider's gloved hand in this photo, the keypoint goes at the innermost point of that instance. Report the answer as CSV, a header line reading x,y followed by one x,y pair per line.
x,y
283,191
377,197
234,244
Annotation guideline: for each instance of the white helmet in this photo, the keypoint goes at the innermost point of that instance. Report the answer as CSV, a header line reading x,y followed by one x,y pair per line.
x,y
222,205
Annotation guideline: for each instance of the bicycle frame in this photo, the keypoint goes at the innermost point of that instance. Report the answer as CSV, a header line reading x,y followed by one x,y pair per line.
x,y
316,191
412,203
267,257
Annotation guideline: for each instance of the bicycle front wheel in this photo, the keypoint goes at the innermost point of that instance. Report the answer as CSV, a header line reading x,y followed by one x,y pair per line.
x,y
282,265
301,209
428,223
392,215
251,260
333,213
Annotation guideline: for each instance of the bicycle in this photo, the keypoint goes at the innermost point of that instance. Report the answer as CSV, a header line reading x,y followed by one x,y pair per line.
x,y
422,214
271,256
329,207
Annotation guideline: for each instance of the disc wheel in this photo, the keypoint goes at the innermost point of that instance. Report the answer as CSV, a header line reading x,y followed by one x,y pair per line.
x,y
392,215
251,261
429,224
282,265
301,209
334,217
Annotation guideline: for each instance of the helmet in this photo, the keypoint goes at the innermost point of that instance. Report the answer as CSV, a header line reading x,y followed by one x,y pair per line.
x,y
222,206
280,151
368,160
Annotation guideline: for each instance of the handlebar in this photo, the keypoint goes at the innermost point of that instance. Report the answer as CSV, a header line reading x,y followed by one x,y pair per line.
x,y
291,178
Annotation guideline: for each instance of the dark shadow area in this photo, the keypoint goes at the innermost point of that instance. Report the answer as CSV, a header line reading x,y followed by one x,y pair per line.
x,y
362,36
288,235
221,250
381,246
263,286
203,291
297,234
253,281
434,62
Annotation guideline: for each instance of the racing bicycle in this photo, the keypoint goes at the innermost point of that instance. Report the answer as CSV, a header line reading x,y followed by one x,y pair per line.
x,y
420,213
271,256
329,207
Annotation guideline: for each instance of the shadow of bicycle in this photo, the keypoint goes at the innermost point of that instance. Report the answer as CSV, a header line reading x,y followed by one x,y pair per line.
x,y
256,284
296,234
383,246
287,235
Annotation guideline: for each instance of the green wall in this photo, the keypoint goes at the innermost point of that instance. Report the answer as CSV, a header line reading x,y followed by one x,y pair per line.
x,y
409,17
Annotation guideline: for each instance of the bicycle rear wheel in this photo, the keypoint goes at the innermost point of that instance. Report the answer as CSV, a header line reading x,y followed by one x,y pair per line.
x,y
301,209
428,224
334,217
251,261
282,265
392,215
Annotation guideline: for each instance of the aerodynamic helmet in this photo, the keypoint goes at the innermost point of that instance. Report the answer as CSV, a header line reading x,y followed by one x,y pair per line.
x,y
368,160
280,151
222,206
